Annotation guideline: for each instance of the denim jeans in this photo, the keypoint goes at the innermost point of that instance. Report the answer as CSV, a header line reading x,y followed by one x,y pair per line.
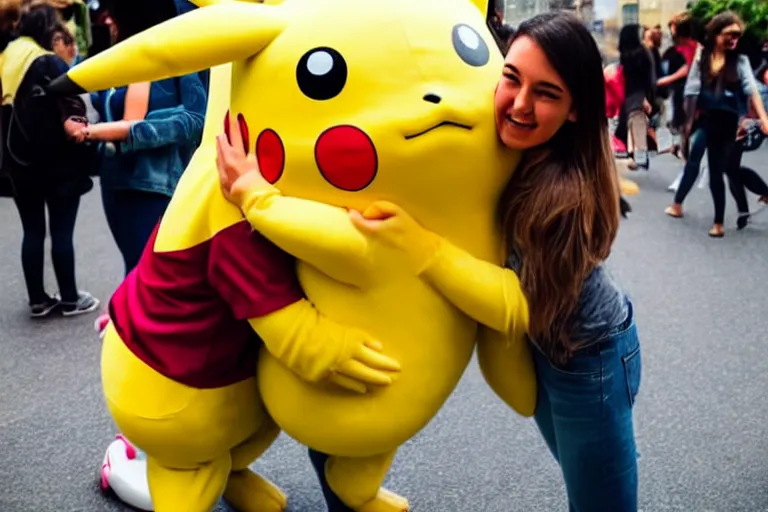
x,y
584,413
62,214
715,133
132,215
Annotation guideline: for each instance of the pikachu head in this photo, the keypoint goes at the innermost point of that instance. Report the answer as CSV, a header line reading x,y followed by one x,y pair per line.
x,y
344,101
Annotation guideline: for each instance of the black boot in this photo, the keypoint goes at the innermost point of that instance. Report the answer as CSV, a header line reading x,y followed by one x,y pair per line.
x,y
332,501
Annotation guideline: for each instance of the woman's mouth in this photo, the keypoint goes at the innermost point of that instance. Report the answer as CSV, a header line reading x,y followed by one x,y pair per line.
x,y
520,124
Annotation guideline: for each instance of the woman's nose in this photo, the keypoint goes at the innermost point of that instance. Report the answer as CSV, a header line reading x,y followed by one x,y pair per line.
x,y
523,102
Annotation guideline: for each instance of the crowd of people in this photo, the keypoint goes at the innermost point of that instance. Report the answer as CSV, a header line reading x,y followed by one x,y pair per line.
x,y
707,93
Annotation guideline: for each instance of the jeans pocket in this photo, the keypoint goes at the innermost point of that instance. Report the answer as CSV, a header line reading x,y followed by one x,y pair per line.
x,y
632,371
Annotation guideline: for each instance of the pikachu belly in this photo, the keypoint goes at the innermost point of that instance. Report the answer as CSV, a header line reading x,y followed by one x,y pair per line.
x,y
431,339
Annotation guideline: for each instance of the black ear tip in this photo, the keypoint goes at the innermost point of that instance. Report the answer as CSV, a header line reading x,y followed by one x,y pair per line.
x,y
64,85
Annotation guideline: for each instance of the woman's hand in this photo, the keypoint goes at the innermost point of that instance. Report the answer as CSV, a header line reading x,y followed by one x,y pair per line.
x,y
238,171
764,126
75,129
394,227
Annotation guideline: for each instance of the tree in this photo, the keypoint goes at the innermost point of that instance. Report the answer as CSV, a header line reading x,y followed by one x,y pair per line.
x,y
753,12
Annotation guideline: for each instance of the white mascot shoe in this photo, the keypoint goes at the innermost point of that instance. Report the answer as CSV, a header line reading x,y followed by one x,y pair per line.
x,y
124,471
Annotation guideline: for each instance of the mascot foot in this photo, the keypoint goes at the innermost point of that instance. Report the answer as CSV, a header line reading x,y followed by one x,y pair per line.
x,y
385,501
249,492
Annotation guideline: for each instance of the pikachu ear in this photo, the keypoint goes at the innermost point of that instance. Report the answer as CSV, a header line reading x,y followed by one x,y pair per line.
x,y
203,38
483,5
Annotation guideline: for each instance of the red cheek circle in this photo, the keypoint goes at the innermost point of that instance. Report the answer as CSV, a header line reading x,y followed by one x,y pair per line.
x,y
346,158
270,153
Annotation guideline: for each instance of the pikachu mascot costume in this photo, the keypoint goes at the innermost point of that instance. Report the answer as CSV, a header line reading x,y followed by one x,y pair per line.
x,y
345,102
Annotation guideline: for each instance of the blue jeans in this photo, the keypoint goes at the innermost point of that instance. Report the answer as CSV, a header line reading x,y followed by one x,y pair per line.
x,y
132,215
715,133
584,413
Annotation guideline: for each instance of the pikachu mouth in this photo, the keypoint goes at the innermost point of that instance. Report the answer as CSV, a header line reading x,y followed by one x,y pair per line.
x,y
439,125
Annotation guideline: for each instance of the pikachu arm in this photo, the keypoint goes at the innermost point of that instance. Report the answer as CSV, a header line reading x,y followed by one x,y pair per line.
x,y
487,293
507,365
309,344
315,233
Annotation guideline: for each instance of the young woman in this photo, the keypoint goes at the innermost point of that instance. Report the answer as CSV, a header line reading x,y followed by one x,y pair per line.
x,y
719,84
560,215
137,181
52,178
639,90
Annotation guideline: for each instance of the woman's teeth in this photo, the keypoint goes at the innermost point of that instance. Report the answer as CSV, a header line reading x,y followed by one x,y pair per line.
x,y
527,126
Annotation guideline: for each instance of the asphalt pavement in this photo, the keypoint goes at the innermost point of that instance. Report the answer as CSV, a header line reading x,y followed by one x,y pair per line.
x,y
701,416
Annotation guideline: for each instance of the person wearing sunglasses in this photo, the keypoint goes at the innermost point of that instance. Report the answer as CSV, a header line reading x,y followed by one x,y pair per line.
x,y
719,85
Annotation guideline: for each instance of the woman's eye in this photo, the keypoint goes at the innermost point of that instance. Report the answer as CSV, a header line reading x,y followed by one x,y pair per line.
x,y
549,95
512,78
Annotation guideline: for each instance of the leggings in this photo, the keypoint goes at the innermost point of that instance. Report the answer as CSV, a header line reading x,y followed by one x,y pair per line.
x,y
132,215
741,179
715,133
62,213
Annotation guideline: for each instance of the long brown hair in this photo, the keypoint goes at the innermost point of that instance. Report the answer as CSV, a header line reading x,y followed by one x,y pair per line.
x,y
560,210
730,72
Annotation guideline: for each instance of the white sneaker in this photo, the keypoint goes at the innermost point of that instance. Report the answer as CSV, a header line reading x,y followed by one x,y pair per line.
x,y
675,184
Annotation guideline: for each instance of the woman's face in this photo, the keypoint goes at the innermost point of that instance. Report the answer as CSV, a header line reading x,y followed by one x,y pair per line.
x,y
532,101
728,38
64,47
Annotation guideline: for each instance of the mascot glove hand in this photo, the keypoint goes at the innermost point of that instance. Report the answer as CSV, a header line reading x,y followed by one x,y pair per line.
x,y
362,364
392,226
316,348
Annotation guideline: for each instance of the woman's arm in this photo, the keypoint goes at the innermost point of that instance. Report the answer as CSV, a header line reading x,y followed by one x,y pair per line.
x,y
750,89
172,126
137,101
136,107
674,77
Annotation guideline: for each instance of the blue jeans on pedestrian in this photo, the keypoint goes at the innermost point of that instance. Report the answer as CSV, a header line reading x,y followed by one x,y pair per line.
x,y
132,216
584,413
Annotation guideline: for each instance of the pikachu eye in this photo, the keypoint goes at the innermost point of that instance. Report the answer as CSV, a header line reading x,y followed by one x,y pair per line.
x,y
321,73
470,46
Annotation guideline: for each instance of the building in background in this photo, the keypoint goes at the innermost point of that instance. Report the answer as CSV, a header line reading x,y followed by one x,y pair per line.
x,y
519,10
649,12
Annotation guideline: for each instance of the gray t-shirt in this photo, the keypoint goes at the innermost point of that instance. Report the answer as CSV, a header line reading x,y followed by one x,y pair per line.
x,y
601,309
727,100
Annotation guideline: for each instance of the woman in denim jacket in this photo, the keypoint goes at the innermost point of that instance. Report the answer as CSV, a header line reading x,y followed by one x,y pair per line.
x,y
142,163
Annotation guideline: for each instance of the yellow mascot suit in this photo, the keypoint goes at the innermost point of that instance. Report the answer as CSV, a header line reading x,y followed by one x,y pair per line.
x,y
345,102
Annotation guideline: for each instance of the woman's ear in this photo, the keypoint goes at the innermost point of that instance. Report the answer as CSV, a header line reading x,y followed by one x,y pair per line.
x,y
573,116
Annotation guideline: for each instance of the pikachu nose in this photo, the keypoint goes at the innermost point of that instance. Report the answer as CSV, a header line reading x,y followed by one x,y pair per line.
x,y
433,98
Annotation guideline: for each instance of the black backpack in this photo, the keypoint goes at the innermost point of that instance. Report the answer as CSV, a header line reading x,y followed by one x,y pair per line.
x,y
35,135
